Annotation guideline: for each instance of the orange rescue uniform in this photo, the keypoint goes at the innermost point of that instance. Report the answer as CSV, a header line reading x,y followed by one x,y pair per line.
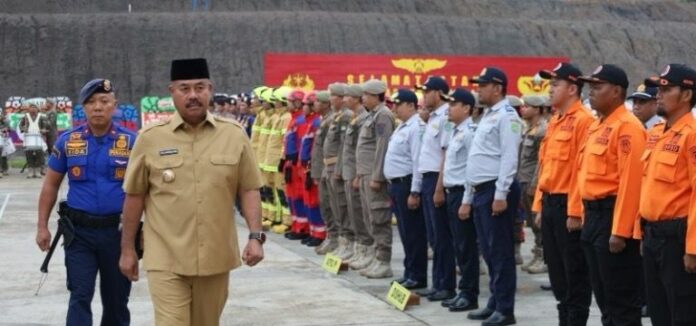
x,y
610,165
558,153
669,177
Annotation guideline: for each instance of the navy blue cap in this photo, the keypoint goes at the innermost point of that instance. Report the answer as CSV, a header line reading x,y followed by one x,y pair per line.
x,y
220,98
565,71
461,95
404,95
435,83
674,75
644,93
607,73
95,86
491,75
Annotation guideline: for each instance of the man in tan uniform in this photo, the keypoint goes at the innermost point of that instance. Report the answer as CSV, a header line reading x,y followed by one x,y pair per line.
x,y
333,167
323,107
186,174
372,148
364,252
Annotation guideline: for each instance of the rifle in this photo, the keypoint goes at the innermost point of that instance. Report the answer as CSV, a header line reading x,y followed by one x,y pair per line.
x,y
66,230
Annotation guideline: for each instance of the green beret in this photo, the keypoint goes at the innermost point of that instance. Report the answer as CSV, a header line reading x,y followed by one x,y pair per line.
x,y
374,87
354,90
337,89
323,96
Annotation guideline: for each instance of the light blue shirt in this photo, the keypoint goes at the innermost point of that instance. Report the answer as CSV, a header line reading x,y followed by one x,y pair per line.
x,y
494,151
457,154
403,152
434,140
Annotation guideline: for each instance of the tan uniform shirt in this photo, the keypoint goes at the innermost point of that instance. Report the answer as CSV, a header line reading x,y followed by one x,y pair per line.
x,y
317,163
373,141
190,178
350,143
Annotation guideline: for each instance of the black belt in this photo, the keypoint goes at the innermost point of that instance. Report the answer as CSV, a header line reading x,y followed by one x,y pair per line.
x,y
452,189
80,218
400,179
604,203
485,186
431,174
666,228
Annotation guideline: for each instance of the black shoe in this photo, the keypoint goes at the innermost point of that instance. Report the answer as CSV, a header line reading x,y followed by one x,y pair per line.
x,y
498,319
425,292
400,280
481,314
442,295
296,236
449,302
546,287
414,285
462,304
313,242
304,241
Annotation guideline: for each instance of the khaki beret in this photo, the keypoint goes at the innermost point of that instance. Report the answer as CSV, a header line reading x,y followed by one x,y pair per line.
x,y
354,90
547,100
533,100
337,89
514,101
324,96
374,87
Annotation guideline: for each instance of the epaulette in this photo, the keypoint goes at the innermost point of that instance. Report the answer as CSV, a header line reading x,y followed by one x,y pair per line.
x,y
233,122
153,125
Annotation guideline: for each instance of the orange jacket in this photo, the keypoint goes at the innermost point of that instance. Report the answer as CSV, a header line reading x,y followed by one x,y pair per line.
x,y
558,155
610,166
669,163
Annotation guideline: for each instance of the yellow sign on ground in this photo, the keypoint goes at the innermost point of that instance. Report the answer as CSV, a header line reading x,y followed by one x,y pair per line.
x,y
332,264
398,296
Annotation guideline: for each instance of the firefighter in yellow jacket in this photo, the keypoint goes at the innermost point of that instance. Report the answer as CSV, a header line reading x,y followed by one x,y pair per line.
x,y
264,129
278,125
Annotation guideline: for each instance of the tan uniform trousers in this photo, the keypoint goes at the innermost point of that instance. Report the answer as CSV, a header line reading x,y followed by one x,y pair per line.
x,y
188,300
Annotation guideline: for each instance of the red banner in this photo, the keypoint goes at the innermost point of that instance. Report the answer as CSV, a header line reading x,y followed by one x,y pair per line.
x,y
316,71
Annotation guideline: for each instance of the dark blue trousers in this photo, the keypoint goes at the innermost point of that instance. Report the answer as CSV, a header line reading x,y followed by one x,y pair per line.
x,y
444,272
92,251
496,241
411,224
465,246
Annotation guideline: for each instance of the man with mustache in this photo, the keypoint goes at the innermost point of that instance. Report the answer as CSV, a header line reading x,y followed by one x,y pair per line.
x,y
185,174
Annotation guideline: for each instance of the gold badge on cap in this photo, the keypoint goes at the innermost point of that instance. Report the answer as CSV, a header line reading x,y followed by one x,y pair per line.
x,y
107,85
168,176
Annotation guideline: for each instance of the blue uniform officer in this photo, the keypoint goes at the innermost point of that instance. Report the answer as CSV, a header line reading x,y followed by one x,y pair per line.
x,y
494,194
433,196
463,232
401,172
95,157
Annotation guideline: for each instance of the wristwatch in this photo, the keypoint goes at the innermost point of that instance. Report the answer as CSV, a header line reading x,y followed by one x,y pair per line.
x,y
259,236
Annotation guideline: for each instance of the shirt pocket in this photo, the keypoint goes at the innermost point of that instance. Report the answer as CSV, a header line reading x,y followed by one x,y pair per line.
x,y
368,130
77,168
224,168
117,168
666,168
597,163
561,150
167,171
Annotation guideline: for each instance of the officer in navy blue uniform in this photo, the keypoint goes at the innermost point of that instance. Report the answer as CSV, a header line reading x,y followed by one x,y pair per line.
x,y
94,156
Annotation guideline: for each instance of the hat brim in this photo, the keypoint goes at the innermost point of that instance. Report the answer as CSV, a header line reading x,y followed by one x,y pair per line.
x,y
641,96
592,80
547,74
656,81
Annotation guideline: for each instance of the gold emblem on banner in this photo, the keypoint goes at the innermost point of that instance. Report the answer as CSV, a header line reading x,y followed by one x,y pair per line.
x,y
298,80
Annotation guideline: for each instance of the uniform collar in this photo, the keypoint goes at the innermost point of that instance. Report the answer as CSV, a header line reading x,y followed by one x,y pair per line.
x,y
652,121
87,132
441,109
504,102
177,121
413,119
616,115
462,125
681,123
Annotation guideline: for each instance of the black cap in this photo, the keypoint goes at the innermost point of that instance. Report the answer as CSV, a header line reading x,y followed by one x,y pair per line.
x,y
565,71
644,93
185,69
607,73
95,86
461,95
674,75
220,98
491,75
404,95
435,83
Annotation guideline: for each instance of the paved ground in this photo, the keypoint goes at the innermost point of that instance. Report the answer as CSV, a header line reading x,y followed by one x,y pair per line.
x,y
288,288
